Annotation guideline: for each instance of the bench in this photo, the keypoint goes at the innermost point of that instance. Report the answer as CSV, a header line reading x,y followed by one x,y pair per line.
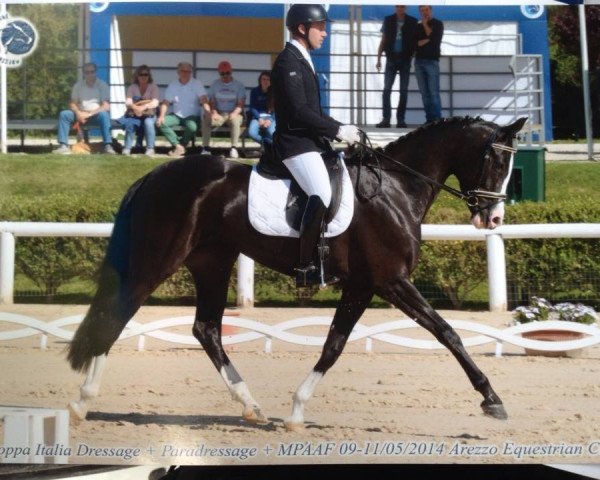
x,y
48,124
51,124
23,125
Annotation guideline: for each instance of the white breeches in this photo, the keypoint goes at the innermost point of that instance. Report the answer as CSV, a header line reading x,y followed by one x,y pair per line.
x,y
309,171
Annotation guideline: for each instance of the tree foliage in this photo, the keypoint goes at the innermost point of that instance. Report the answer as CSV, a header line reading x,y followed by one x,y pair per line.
x,y
46,77
565,47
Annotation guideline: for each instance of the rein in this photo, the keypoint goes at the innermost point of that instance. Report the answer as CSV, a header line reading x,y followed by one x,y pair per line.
x,y
471,198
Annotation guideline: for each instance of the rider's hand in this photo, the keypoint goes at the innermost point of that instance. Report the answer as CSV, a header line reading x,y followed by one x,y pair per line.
x,y
348,133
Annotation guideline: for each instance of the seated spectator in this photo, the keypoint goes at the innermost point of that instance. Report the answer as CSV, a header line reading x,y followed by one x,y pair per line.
x,y
90,104
227,98
262,118
141,101
187,98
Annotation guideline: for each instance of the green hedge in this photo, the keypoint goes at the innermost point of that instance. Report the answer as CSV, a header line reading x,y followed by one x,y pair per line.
x,y
560,269
455,270
50,262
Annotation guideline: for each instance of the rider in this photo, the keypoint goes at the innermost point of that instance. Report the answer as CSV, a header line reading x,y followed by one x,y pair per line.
x,y
303,131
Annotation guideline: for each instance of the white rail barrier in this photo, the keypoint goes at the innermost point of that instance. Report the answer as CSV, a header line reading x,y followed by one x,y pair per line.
x,y
282,331
493,238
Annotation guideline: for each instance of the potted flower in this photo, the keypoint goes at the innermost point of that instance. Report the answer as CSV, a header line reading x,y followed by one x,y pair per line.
x,y
541,310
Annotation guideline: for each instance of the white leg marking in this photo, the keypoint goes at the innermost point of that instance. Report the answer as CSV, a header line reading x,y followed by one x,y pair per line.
x,y
235,384
90,388
302,395
239,392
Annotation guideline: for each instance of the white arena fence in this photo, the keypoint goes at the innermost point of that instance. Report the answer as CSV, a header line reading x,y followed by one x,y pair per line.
x,y
254,330
496,261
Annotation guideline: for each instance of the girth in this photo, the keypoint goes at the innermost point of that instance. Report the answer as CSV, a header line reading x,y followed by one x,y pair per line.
x,y
273,168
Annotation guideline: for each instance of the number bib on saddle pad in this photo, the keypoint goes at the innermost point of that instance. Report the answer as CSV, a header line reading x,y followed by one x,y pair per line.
x,y
268,205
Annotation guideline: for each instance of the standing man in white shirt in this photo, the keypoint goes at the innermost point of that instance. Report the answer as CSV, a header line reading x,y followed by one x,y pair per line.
x,y
187,98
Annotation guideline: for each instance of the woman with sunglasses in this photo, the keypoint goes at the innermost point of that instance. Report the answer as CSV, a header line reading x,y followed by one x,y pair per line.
x,y
142,100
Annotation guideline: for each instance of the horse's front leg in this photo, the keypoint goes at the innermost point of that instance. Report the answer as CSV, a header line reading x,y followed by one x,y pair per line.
x,y
407,298
353,304
211,270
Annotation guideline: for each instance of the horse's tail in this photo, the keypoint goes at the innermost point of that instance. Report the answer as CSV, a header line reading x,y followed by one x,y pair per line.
x,y
110,309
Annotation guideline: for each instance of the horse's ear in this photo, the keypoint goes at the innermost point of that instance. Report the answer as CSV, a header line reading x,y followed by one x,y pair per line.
x,y
514,128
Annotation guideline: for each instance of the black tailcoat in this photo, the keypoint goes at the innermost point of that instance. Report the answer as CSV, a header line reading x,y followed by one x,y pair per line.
x,y
301,124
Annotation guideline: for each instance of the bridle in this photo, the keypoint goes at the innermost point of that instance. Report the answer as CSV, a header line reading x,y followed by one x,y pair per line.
x,y
471,197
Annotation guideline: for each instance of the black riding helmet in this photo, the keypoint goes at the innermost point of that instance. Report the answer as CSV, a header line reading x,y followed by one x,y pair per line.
x,y
300,13
305,14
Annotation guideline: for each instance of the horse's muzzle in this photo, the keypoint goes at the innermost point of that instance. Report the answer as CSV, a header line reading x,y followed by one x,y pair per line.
x,y
485,218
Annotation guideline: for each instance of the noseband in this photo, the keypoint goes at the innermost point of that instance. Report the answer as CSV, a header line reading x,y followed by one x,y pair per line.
x,y
472,197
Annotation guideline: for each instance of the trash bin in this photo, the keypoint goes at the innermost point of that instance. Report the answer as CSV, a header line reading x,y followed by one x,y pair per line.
x,y
528,179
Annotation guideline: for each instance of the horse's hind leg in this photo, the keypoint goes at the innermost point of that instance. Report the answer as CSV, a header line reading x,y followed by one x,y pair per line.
x,y
352,305
90,388
407,298
211,270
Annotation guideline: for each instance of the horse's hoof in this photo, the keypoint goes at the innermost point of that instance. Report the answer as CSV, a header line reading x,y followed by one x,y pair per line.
x,y
495,410
255,416
77,413
294,426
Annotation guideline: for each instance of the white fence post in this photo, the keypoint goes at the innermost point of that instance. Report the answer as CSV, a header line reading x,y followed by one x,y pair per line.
x,y
496,273
7,267
245,282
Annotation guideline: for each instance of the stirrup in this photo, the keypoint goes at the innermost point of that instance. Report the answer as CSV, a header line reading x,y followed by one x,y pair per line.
x,y
307,276
310,275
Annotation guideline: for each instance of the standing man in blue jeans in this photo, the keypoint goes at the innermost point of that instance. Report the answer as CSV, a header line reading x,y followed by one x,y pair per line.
x,y
398,42
427,62
90,103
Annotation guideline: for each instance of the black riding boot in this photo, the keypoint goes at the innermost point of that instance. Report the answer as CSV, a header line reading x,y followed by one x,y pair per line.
x,y
310,230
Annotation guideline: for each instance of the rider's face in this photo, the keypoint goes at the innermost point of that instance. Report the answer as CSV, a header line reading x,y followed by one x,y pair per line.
x,y
316,34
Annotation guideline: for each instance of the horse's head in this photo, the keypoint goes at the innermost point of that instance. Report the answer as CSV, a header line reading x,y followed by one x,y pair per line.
x,y
484,180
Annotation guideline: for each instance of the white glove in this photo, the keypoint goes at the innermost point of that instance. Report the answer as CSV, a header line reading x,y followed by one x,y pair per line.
x,y
348,133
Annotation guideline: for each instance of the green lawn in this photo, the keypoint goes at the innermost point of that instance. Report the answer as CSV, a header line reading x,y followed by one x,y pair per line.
x,y
107,177
99,176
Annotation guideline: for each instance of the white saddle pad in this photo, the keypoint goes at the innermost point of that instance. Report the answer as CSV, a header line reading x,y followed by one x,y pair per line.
x,y
266,206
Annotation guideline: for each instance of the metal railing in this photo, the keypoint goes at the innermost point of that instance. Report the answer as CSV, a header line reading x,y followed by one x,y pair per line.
x,y
470,85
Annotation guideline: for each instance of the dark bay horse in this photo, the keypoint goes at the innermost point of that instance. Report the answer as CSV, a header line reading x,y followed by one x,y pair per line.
x,y
193,212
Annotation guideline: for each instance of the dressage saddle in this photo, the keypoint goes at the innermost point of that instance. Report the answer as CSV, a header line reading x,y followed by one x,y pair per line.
x,y
269,166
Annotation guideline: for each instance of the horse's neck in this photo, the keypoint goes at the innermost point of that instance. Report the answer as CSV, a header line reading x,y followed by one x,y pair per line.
x,y
432,161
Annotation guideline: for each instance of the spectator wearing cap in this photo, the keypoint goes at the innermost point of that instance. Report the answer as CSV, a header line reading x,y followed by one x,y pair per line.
x,y
187,98
227,98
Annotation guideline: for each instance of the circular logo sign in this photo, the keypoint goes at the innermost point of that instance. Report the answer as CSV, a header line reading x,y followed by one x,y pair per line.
x,y
98,7
532,11
18,38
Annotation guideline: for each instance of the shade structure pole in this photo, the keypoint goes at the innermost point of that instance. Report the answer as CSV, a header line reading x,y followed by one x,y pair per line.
x,y
585,78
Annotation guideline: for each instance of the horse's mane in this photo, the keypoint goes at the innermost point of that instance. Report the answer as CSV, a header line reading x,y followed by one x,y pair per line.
x,y
428,130
431,127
